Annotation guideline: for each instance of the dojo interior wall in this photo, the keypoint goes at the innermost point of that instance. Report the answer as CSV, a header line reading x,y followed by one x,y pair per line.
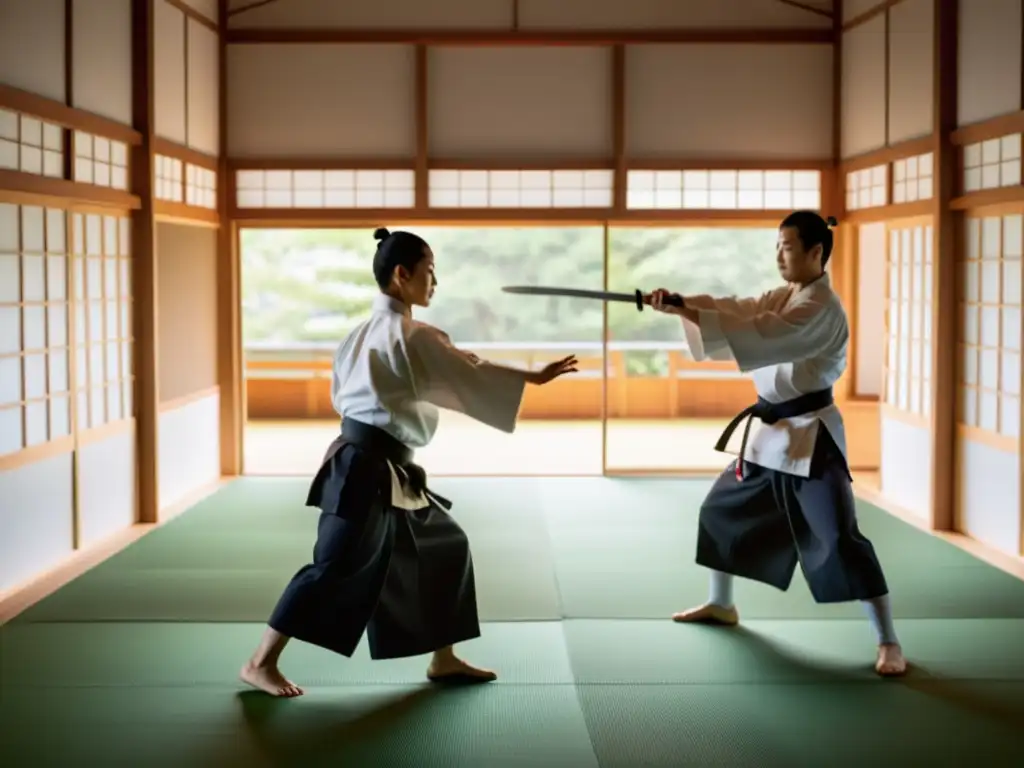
x,y
67,448
466,113
186,101
189,414
69,416
888,141
887,102
989,266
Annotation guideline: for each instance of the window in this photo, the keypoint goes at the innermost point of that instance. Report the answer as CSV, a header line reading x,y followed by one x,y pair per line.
x,y
867,188
34,386
993,163
912,179
304,289
200,186
723,189
908,321
168,179
103,315
666,410
101,161
31,145
326,189
521,189
990,371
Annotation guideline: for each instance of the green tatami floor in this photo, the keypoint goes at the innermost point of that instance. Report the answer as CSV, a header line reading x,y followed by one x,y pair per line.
x,y
135,662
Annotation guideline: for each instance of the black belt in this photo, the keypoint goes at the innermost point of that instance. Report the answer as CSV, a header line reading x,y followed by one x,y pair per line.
x,y
770,413
379,443
376,441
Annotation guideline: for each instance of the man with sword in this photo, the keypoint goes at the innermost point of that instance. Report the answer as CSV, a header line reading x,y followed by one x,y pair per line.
x,y
787,498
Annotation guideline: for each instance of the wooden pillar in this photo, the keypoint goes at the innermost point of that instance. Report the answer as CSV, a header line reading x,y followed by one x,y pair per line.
x,y
945,231
144,289
833,201
618,117
422,179
229,335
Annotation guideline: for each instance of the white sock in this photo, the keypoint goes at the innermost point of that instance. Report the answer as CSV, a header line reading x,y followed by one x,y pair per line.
x,y
880,614
721,589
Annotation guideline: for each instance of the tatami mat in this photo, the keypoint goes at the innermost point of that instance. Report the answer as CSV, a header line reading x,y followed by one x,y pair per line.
x,y
135,662
363,727
108,655
830,723
228,558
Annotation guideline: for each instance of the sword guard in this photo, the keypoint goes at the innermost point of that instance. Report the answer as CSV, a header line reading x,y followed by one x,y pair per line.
x,y
639,300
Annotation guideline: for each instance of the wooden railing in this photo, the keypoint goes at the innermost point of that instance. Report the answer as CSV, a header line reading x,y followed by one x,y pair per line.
x,y
644,380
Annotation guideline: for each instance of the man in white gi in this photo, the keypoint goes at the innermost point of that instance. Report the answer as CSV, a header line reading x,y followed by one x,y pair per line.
x,y
389,559
787,499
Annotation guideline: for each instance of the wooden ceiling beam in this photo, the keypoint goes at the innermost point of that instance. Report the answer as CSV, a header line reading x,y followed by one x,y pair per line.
x,y
538,37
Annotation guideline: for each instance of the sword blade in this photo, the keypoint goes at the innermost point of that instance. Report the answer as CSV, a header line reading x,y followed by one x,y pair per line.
x,y
576,293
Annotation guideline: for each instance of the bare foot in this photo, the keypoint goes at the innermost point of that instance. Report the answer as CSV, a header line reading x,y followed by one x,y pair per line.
x,y
890,661
269,680
708,614
455,670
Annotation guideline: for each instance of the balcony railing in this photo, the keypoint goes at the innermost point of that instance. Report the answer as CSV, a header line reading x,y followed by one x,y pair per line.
x,y
645,379
632,359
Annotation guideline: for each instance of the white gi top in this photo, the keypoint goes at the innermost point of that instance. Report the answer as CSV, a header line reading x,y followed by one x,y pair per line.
x,y
794,341
393,373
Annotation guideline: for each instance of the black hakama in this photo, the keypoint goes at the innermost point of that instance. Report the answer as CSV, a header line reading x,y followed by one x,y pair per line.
x,y
404,576
759,524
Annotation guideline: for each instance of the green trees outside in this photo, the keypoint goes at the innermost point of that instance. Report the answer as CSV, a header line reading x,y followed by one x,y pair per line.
x,y
309,285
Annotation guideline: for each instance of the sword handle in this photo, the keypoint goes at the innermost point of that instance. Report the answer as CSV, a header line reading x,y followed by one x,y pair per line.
x,y
672,300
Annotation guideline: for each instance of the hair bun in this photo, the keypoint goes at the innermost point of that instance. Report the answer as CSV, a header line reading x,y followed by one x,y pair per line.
x,y
831,221
381,233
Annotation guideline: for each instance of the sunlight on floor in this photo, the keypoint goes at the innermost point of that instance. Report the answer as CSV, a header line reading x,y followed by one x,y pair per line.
x,y
463,447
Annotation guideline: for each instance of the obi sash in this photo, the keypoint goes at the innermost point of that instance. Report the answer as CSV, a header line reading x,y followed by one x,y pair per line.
x,y
771,413
406,482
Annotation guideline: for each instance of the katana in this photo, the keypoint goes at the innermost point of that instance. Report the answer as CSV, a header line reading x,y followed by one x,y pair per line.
x,y
636,297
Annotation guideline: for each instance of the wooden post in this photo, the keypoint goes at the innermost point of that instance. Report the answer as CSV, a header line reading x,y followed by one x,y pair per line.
x,y
833,201
422,199
945,234
144,287
618,117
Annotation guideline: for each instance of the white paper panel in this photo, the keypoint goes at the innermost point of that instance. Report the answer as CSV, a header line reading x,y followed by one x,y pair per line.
x,y
186,264
906,466
35,519
188,454
508,100
106,489
990,59
203,88
102,57
863,88
871,266
206,8
380,14
756,101
169,77
911,69
32,46
989,495
321,100
663,14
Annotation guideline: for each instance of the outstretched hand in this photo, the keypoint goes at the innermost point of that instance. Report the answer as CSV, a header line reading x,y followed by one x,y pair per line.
x,y
553,370
657,301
